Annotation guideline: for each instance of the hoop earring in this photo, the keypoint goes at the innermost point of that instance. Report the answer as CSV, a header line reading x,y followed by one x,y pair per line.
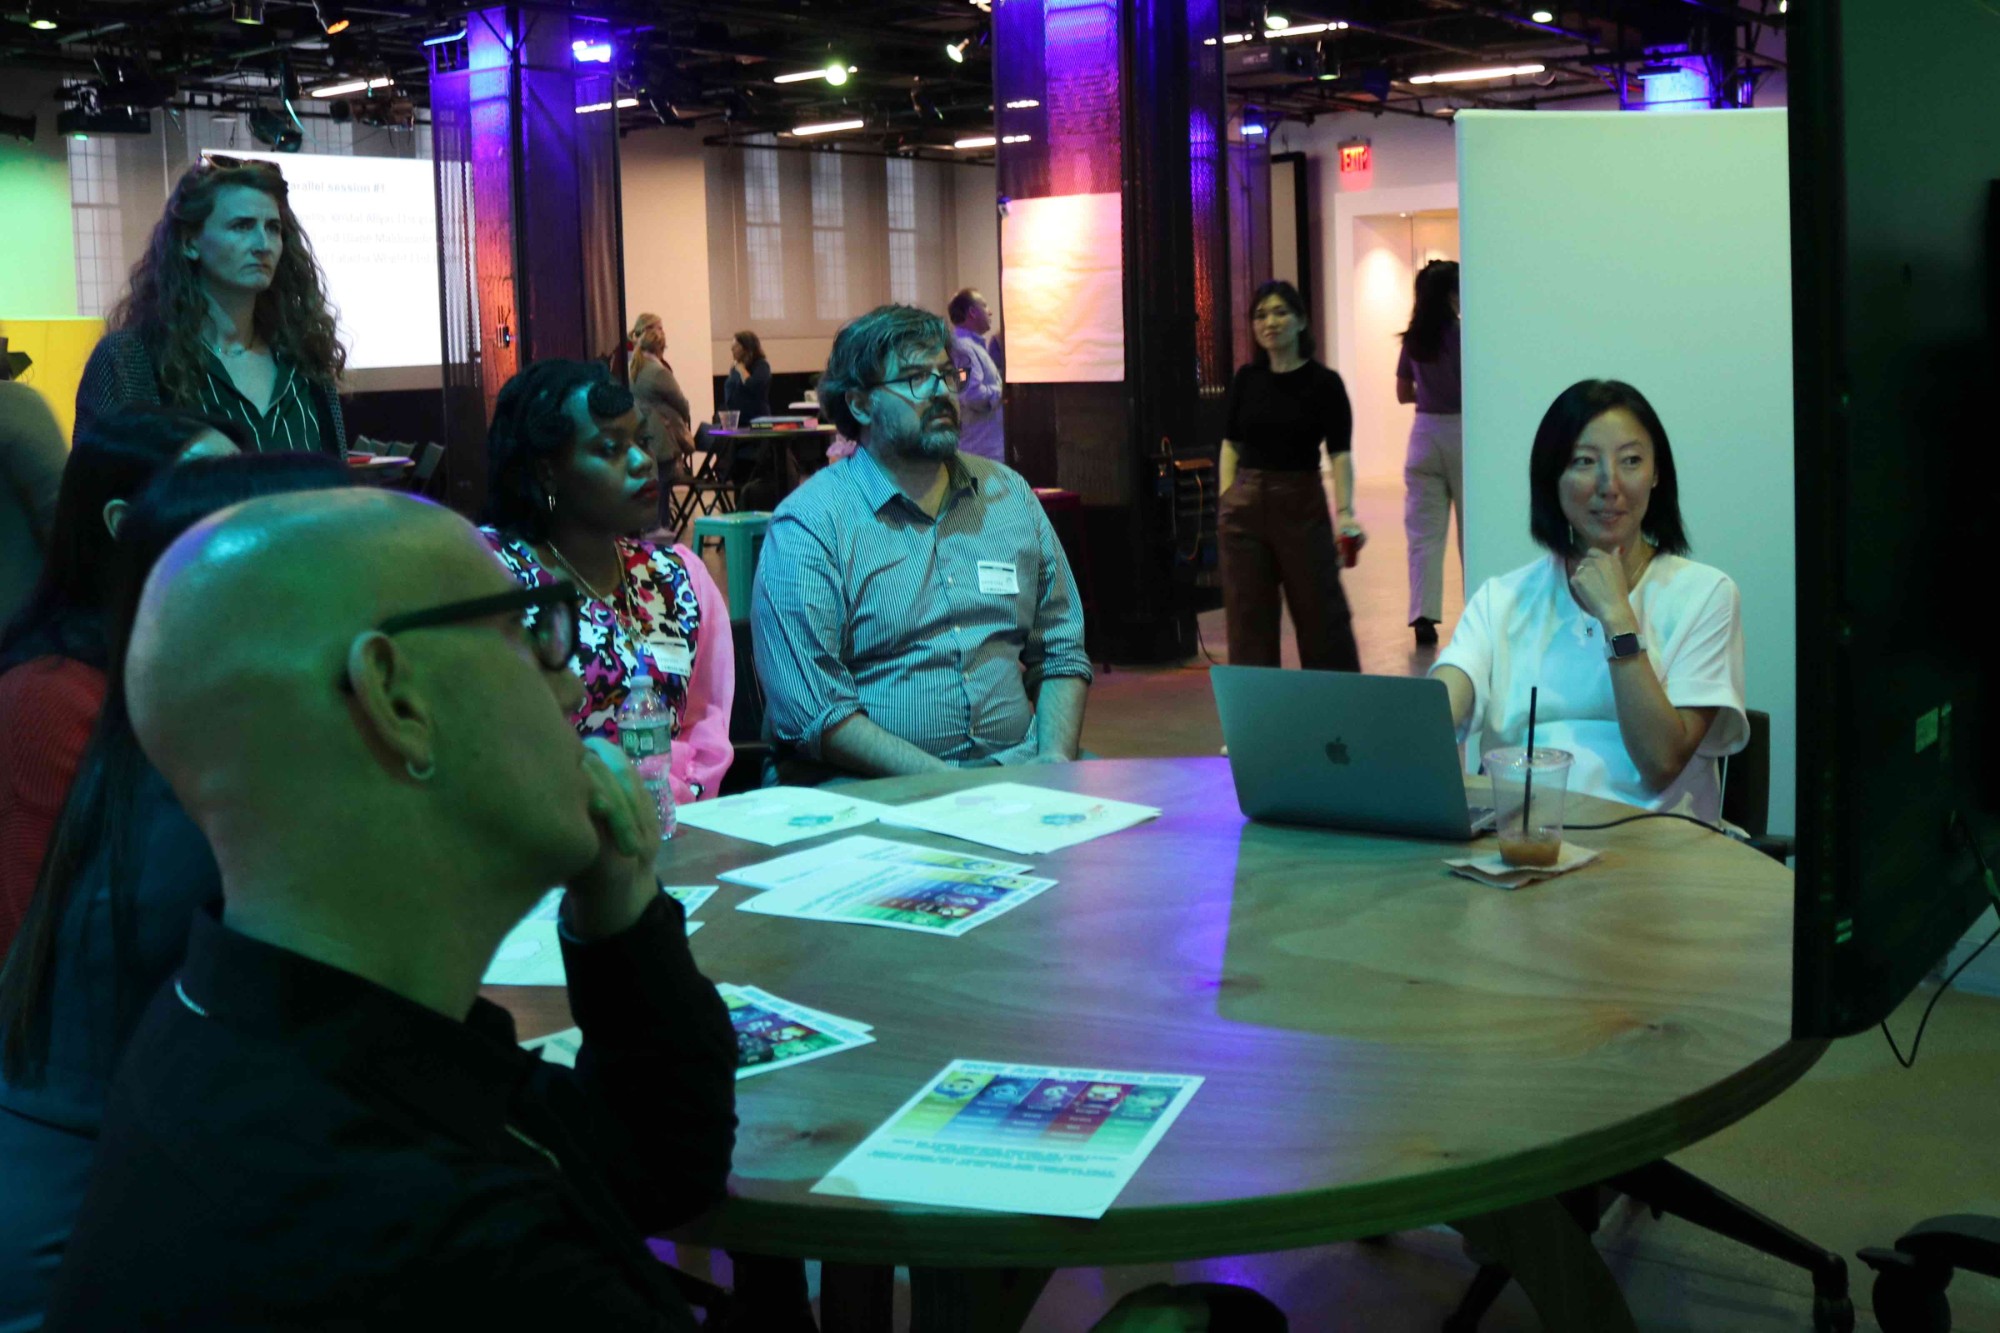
x,y
421,775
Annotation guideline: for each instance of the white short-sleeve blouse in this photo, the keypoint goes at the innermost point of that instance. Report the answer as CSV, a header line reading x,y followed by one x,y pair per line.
x,y
1525,629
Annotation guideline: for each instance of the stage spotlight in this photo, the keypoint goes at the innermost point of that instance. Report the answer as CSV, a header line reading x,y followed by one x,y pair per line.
x,y
247,11
956,51
268,127
332,15
836,73
18,127
41,16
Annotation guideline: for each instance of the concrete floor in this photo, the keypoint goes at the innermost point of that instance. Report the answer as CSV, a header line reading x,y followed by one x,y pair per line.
x,y
1856,1152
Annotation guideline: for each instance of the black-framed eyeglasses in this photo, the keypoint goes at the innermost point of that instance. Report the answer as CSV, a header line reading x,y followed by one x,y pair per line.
x,y
548,614
926,381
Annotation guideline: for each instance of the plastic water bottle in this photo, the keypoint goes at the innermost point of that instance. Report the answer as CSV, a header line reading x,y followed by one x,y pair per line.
x,y
646,730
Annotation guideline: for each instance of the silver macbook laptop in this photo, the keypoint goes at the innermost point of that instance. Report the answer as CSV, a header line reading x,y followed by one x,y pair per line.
x,y
1346,751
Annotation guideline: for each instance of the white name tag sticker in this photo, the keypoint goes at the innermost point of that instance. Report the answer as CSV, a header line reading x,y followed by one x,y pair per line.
x,y
671,654
997,576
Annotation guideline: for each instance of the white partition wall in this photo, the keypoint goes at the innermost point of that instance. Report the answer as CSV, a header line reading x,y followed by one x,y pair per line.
x,y
1656,250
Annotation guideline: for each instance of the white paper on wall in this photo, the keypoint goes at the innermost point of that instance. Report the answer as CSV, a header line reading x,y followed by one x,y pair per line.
x,y
1062,284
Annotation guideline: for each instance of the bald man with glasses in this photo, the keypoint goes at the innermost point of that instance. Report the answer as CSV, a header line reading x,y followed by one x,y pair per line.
x,y
319,1124
913,608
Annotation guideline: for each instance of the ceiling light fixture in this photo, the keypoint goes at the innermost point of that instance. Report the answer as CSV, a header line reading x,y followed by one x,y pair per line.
x,y
1543,16
827,127
956,51
1016,138
590,53
247,11
808,75
350,86
1023,104
621,103
1473,75
446,38
1275,22
40,16
976,141
332,16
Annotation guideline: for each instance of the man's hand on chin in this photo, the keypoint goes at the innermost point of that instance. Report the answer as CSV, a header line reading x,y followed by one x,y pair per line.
x,y
611,893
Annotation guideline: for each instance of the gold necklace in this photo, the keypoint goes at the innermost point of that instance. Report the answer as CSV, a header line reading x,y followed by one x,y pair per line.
x,y
577,574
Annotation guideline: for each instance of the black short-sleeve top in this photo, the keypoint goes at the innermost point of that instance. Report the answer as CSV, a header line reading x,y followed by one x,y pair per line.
x,y
1278,421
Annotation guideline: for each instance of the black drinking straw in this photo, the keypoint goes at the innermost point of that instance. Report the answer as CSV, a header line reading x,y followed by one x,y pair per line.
x,y
1528,786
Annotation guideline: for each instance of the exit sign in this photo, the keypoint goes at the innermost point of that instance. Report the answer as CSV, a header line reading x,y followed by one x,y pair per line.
x,y
1355,157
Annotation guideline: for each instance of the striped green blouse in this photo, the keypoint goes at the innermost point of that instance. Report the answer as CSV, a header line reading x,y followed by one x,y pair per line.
x,y
293,422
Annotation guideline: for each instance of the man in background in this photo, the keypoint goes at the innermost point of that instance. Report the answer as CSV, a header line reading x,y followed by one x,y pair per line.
x,y
981,431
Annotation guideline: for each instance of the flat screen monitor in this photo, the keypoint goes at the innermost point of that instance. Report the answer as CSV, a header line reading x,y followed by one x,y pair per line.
x,y
1894,271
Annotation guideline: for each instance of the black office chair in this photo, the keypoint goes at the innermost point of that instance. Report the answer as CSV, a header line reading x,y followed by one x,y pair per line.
x,y
1666,1188
746,719
1746,791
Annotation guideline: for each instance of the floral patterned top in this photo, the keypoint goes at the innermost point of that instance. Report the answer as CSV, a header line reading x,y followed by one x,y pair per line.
x,y
664,613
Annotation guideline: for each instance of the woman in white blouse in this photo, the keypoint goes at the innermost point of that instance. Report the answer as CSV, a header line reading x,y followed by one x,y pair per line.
x,y
1637,650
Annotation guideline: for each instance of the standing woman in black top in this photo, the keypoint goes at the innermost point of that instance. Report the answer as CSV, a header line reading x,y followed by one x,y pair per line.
x,y
1274,530
747,391
226,314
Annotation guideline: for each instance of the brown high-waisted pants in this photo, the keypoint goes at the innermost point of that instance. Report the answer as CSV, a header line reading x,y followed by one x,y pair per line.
x,y
1275,534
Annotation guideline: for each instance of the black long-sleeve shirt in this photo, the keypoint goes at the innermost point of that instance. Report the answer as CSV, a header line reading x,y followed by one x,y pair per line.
x,y
290,1146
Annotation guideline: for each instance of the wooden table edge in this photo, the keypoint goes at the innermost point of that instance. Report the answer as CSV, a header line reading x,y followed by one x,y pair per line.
x,y
950,1238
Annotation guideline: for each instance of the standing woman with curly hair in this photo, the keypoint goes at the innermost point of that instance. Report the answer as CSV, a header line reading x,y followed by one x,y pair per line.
x,y
226,314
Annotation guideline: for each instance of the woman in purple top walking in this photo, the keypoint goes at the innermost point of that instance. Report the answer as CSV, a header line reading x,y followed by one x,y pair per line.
x,y
1427,374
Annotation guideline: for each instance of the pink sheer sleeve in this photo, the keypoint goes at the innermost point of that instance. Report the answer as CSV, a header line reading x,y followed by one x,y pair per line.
x,y
702,750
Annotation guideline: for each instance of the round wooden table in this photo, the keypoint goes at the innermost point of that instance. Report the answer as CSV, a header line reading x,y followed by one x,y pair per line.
x,y
1385,1045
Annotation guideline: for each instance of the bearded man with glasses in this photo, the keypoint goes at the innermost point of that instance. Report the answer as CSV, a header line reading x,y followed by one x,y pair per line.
x,y
913,607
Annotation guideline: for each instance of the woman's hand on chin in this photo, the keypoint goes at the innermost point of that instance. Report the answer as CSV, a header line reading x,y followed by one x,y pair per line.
x,y
1601,589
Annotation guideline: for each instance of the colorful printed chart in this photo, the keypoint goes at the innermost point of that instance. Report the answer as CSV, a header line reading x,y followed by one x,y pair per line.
x,y
772,1033
1015,1139
775,816
901,897
1018,818
531,953
851,859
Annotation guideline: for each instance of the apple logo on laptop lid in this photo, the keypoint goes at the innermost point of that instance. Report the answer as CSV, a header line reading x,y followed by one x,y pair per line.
x,y
1336,750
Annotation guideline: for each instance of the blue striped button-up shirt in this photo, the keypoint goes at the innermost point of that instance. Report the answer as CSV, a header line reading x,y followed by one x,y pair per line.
x,y
865,604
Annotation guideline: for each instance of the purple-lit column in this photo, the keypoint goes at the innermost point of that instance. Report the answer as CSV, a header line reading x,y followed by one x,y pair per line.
x,y
524,132
1114,272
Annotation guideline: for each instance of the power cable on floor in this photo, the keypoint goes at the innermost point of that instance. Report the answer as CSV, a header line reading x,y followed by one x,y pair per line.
x,y
1992,887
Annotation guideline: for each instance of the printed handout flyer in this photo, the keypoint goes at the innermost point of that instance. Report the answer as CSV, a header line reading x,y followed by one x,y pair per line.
x,y
851,859
901,897
772,1033
775,816
1015,1139
1016,817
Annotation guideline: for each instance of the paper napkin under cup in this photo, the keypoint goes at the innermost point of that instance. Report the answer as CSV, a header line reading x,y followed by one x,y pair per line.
x,y
1493,872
